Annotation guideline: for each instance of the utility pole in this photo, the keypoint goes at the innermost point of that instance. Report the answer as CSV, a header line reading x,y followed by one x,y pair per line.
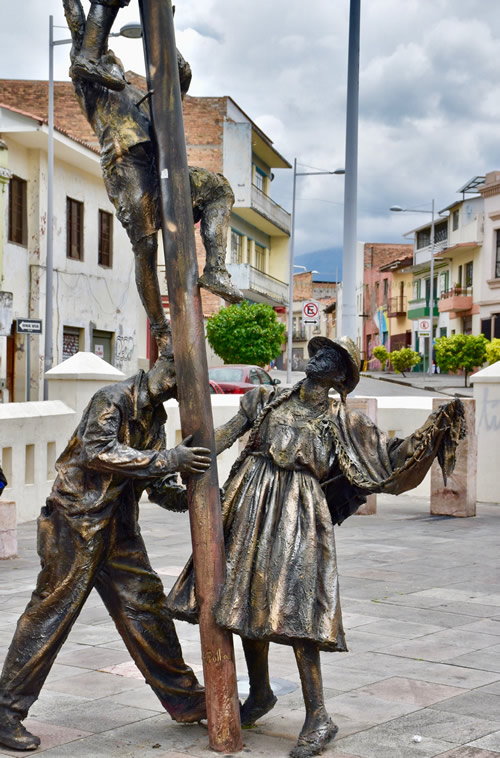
x,y
191,366
351,177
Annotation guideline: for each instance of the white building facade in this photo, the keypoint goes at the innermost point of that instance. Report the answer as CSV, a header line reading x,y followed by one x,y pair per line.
x,y
95,303
489,283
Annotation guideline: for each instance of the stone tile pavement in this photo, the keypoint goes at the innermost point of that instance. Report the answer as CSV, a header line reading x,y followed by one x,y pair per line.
x,y
421,604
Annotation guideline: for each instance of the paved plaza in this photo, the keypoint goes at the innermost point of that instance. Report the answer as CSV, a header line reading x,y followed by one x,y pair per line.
x,y
421,604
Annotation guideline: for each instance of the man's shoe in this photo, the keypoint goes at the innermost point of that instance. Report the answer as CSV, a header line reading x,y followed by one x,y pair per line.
x,y
220,284
253,709
14,735
197,711
95,71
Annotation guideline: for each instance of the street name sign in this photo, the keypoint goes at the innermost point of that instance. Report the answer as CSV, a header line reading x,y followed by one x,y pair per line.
x,y
29,326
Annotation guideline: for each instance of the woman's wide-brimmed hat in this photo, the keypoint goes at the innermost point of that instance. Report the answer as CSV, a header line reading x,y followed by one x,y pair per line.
x,y
349,352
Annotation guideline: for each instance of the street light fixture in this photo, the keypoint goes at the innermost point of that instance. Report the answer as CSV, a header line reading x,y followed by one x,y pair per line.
x,y
133,30
295,265
399,209
129,31
291,266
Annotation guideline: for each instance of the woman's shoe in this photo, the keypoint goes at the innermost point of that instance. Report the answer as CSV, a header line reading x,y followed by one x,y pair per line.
x,y
252,710
313,743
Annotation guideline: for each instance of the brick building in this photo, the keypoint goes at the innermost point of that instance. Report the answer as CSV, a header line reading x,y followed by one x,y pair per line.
x,y
387,288
308,286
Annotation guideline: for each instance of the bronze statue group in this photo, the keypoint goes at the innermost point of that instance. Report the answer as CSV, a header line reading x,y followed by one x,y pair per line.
x,y
308,464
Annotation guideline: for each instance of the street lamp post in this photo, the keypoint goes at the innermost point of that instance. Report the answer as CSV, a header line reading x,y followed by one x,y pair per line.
x,y
351,180
398,209
130,31
291,264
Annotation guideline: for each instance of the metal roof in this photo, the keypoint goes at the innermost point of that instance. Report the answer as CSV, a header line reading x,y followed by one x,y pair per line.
x,y
471,186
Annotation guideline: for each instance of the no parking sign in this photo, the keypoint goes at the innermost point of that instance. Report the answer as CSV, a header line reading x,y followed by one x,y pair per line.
x,y
310,312
424,327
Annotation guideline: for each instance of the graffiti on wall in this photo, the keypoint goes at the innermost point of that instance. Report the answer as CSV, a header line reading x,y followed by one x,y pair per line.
x,y
124,348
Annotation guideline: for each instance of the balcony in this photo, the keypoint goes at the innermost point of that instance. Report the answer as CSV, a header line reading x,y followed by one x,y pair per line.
x,y
397,306
299,333
420,308
456,299
423,254
265,214
258,286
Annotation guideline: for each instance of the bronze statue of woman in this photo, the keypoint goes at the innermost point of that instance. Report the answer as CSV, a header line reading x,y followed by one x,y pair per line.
x,y
308,464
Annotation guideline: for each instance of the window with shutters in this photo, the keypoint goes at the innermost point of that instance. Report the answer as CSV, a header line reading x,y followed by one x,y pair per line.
x,y
105,246
497,255
236,247
260,257
18,212
74,229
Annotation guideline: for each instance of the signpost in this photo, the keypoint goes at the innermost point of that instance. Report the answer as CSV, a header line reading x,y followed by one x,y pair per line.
x,y
28,326
224,729
310,312
424,327
424,332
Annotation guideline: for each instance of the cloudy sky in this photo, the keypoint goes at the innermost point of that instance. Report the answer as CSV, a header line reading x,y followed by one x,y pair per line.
x,y
429,93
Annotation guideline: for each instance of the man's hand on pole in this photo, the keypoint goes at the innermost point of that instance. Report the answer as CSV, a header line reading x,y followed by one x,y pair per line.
x,y
192,460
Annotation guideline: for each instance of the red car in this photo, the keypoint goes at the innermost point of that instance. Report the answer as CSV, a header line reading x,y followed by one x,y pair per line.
x,y
215,389
239,378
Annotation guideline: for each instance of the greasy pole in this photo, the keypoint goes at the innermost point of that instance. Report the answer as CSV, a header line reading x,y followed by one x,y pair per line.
x,y
191,366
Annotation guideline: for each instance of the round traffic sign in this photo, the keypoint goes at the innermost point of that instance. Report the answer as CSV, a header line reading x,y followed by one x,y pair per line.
x,y
310,309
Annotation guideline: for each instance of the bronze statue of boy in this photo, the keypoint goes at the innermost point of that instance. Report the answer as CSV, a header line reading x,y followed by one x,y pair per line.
x,y
119,115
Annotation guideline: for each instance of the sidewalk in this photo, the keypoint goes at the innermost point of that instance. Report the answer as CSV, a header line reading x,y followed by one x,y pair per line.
x,y
449,384
421,604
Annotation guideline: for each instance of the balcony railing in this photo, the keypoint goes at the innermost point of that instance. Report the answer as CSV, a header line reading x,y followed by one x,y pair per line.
x,y
397,306
252,281
264,205
299,333
456,291
423,254
456,299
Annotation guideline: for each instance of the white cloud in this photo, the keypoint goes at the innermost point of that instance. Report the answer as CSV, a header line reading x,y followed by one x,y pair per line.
x,y
429,92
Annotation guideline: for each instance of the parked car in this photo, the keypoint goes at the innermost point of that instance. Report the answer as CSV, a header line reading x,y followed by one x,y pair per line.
x,y
215,389
239,378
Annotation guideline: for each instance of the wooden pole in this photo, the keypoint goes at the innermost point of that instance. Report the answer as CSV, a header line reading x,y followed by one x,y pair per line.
x,y
191,366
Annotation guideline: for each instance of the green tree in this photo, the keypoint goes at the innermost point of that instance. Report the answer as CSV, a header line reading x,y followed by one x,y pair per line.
x,y
493,351
404,359
461,352
381,355
246,333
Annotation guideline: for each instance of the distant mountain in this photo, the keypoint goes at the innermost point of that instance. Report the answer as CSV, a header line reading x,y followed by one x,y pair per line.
x,y
326,262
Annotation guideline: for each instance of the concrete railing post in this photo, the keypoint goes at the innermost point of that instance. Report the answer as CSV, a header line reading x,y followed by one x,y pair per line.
x,y
75,380
487,395
8,529
458,497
